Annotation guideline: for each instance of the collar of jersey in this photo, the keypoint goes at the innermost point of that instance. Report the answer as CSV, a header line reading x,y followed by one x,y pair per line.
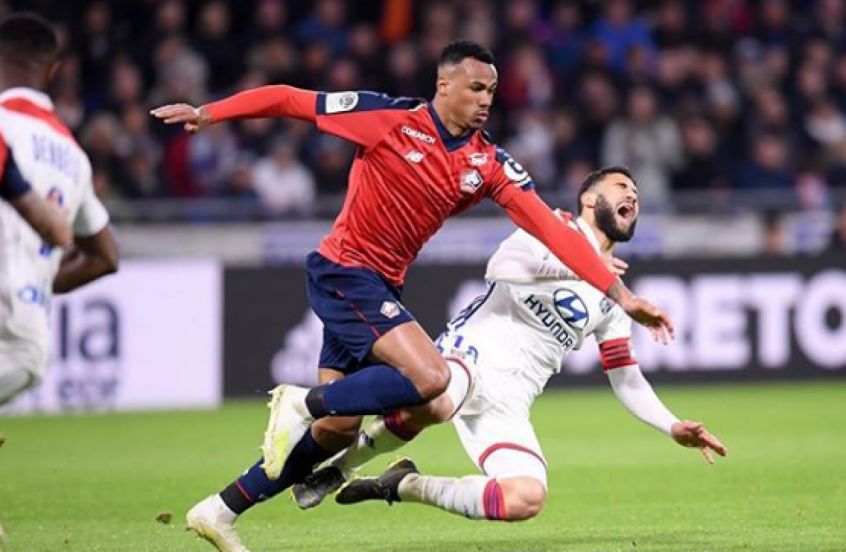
x,y
588,232
37,97
451,143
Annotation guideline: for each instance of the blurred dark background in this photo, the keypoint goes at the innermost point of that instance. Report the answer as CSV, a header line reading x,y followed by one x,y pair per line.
x,y
718,106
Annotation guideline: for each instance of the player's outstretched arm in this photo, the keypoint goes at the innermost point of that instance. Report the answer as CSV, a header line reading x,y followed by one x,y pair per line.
x,y
89,258
46,218
634,392
531,214
265,101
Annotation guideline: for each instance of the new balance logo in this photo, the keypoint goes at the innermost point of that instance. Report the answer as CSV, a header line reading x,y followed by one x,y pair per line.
x,y
417,135
478,159
414,156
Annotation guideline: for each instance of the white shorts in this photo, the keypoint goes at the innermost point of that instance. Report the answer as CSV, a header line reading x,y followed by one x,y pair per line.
x,y
493,422
21,353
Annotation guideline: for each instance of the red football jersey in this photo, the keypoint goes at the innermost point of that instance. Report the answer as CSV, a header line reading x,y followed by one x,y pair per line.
x,y
408,176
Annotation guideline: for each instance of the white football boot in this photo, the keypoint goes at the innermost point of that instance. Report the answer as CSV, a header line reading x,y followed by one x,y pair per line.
x,y
212,520
288,422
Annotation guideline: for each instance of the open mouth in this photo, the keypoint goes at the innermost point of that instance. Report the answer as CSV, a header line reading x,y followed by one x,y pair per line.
x,y
626,211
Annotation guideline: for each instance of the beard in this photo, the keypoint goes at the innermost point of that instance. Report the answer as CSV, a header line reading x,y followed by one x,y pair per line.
x,y
606,221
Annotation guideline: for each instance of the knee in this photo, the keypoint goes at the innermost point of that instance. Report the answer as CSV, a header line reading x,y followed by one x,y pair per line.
x,y
337,432
432,379
434,412
525,501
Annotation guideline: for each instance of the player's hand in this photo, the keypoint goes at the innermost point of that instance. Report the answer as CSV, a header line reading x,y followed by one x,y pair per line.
x,y
193,119
648,315
617,266
693,434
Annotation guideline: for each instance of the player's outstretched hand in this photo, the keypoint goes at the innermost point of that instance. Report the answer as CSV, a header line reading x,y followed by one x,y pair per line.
x,y
192,118
651,317
693,434
617,266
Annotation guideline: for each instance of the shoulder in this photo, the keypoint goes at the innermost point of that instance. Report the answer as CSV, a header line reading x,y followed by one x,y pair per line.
x,y
512,170
329,103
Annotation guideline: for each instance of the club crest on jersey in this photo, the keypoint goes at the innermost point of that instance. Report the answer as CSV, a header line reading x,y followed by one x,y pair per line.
x,y
478,159
470,181
571,308
414,156
338,102
390,309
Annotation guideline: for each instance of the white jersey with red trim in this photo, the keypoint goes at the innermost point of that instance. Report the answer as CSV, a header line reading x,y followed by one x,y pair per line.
x,y
40,151
534,313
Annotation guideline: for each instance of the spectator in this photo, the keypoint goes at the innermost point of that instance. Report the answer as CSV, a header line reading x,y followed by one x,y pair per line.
x,y
326,25
704,167
648,143
533,146
563,39
770,166
181,73
773,237
213,41
758,89
837,241
282,183
618,31
270,21
211,159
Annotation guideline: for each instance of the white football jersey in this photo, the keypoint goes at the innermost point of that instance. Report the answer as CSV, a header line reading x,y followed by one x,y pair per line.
x,y
41,149
535,311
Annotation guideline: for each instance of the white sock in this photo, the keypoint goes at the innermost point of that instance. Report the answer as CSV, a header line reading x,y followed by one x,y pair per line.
x,y
372,441
472,496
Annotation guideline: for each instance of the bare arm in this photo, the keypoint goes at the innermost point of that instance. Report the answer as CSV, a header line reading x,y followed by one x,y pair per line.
x,y
46,218
88,259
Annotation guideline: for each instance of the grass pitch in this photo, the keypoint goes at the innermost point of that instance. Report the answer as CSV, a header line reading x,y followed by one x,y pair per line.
x,y
99,482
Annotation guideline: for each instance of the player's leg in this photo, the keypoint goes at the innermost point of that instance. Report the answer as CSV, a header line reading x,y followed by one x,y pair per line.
x,y
214,517
383,435
504,447
510,498
363,312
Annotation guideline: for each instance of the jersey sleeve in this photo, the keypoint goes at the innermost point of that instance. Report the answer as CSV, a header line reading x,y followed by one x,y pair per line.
x,y
92,215
513,189
265,101
614,338
12,182
361,117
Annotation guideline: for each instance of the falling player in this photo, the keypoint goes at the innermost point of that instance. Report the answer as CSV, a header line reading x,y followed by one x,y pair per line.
x,y
503,348
40,159
417,164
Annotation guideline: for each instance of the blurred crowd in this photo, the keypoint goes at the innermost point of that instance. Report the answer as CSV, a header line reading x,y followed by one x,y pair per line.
x,y
710,96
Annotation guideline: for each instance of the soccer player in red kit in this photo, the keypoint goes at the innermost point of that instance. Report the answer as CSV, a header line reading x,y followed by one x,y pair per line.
x,y
417,164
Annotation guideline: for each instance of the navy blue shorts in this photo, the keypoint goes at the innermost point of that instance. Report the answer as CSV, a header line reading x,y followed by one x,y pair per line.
x,y
357,307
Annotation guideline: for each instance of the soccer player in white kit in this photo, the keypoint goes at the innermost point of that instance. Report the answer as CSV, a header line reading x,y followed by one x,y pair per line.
x,y
502,349
40,159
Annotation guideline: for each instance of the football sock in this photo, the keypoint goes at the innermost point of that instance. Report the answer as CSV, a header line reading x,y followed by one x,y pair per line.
x,y
381,436
376,389
472,496
254,486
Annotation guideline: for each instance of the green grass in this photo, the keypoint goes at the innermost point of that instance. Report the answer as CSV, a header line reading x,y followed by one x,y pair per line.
x,y
97,483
